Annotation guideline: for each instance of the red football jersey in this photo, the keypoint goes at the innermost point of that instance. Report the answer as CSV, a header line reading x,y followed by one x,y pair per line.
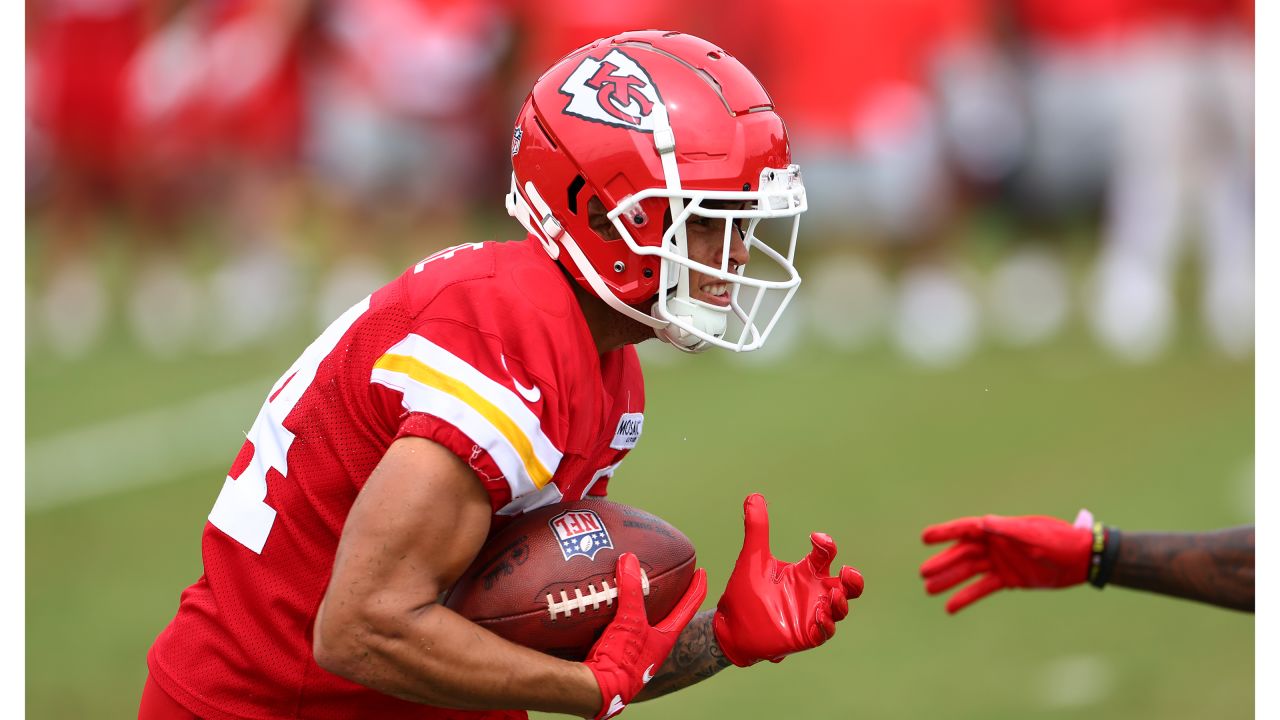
x,y
481,348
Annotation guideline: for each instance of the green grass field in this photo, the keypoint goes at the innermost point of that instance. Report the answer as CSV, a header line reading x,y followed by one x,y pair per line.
x,y
861,446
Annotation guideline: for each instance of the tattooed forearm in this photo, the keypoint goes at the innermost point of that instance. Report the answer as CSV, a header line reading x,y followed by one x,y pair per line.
x,y
1214,567
695,657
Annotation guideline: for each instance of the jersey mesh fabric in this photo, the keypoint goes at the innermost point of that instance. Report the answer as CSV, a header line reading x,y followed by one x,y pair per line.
x,y
240,644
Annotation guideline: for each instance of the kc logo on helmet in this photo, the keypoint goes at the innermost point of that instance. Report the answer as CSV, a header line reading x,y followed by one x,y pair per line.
x,y
614,91
580,532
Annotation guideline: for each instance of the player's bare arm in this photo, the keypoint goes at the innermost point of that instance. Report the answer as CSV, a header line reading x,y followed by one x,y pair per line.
x,y
1037,551
419,521
1212,567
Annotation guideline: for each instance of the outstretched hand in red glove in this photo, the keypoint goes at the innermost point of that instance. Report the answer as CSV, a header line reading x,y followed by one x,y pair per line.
x,y
631,650
1031,551
771,608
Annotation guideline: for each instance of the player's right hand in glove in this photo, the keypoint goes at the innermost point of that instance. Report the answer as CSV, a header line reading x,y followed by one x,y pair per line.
x,y
771,608
631,650
1030,551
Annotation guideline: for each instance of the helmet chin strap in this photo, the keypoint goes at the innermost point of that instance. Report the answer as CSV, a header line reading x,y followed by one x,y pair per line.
x,y
678,308
535,215
546,228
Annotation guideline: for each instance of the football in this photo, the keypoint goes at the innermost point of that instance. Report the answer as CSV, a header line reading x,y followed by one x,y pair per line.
x,y
546,581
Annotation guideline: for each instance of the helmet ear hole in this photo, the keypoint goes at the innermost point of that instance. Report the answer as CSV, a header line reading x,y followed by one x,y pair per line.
x,y
598,219
575,187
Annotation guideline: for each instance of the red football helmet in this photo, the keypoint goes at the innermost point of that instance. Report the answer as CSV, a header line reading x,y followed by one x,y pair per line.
x,y
656,123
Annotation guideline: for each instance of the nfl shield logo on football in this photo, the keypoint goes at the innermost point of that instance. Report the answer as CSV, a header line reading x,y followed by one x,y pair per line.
x,y
580,532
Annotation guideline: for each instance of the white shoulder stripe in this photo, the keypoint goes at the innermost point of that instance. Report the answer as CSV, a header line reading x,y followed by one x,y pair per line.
x,y
435,381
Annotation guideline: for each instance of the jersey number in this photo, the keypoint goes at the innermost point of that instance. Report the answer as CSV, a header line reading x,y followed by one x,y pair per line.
x,y
241,510
445,254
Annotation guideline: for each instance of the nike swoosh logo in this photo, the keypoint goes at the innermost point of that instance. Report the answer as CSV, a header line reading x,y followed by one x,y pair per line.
x,y
530,394
648,675
615,706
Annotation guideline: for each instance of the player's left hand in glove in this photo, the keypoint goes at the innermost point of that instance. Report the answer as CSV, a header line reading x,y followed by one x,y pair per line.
x,y
771,608
1032,551
630,650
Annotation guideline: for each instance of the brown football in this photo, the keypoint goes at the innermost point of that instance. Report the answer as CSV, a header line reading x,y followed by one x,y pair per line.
x,y
546,581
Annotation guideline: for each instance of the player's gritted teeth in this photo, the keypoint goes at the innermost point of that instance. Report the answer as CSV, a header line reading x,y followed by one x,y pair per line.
x,y
715,293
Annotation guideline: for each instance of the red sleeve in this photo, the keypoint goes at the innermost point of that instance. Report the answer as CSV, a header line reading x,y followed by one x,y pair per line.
x,y
436,430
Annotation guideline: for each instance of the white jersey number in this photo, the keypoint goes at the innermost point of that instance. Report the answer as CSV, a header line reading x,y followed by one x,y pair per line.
x,y
241,510
445,254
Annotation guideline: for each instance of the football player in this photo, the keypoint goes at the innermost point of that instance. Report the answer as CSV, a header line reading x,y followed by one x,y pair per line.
x,y
493,378
1045,552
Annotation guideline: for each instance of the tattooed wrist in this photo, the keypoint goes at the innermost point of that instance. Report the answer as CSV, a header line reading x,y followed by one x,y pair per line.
x,y
695,657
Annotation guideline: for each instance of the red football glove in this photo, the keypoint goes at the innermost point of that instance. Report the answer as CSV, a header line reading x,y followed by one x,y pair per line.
x,y
771,609
630,650
1009,552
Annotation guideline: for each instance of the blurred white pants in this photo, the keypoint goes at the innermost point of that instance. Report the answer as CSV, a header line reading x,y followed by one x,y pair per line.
x,y
1183,169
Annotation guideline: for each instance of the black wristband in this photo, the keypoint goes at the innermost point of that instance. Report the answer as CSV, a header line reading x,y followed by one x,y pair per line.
x,y
1106,548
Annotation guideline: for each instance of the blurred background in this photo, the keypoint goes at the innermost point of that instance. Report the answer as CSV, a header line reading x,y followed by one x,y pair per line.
x,y
1029,287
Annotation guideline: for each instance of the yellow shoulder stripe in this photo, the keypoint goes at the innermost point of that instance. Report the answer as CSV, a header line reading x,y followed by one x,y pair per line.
x,y
419,372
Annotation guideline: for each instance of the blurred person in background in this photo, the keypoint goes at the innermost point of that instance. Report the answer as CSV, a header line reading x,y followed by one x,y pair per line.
x,y
1139,116
213,96
1068,55
863,80
403,106
1040,552
490,379
1183,169
77,54
250,53
1047,155
170,113
1028,114
170,159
